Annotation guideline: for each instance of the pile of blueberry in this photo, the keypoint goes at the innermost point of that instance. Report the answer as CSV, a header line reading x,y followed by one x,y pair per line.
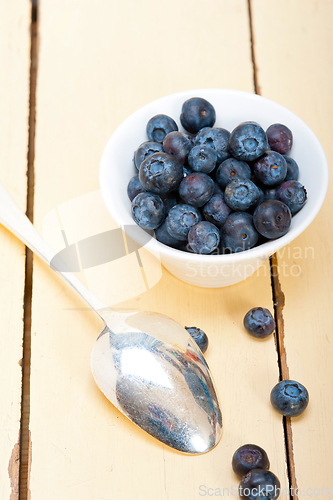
x,y
251,464
211,191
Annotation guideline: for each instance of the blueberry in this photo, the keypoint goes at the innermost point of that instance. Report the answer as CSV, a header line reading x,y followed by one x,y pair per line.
x,y
134,187
180,219
202,159
248,141
196,114
178,145
196,189
216,138
271,168
148,210
144,150
272,219
199,337
230,169
204,237
293,194
292,169
249,457
241,194
259,483
159,126
216,210
164,237
289,398
259,322
160,173
280,138
238,232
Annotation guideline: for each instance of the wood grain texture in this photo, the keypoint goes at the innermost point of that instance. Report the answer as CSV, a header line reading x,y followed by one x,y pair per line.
x,y
294,47
96,66
14,109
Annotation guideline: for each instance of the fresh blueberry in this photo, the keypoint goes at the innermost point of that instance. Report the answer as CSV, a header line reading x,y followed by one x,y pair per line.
x,y
292,169
202,159
148,210
249,457
216,210
204,237
159,126
180,219
196,114
199,337
196,189
293,194
289,398
134,187
271,168
280,138
272,219
146,149
259,322
259,483
238,232
160,173
230,169
164,237
216,138
248,141
178,145
241,194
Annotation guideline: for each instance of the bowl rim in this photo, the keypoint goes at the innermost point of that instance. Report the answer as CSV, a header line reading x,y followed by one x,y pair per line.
x,y
262,251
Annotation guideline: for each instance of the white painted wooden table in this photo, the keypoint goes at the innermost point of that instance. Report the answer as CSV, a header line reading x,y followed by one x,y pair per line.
x,y
95,64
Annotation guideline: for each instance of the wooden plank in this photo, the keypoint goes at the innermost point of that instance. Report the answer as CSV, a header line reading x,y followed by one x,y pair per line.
x,y
109,61
14,110
293,49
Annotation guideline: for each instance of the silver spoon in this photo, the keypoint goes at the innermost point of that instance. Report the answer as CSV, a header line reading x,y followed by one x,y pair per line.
x,y
145,363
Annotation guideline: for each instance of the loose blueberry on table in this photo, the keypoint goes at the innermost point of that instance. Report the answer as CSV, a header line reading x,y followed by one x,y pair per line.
x,y
249,457
199,337
259,322
259,483
290,398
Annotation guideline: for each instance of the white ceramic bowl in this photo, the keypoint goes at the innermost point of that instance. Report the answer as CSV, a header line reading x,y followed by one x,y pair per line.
x,y
232,107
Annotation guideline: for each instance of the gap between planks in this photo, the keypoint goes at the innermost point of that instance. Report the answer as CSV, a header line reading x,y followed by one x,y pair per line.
x,y
278,301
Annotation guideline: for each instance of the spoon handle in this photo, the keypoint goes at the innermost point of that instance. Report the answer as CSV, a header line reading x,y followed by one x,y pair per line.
x,y
17,223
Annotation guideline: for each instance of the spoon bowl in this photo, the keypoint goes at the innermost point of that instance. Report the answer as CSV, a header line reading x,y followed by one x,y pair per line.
x,y
145,363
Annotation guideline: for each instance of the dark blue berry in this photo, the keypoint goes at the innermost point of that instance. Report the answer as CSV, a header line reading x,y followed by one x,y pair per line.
x,y
259,483
238,232
204,237
241,194
159,126
134,187
230,169
293,194
196,189
292,169
196,114
148,210
180,219
272,219
216,210
280,138
164,237
146,149
248,141
160,173
289,398
259,322
249,457
271,168
178,145
216,138
202,159
199,337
